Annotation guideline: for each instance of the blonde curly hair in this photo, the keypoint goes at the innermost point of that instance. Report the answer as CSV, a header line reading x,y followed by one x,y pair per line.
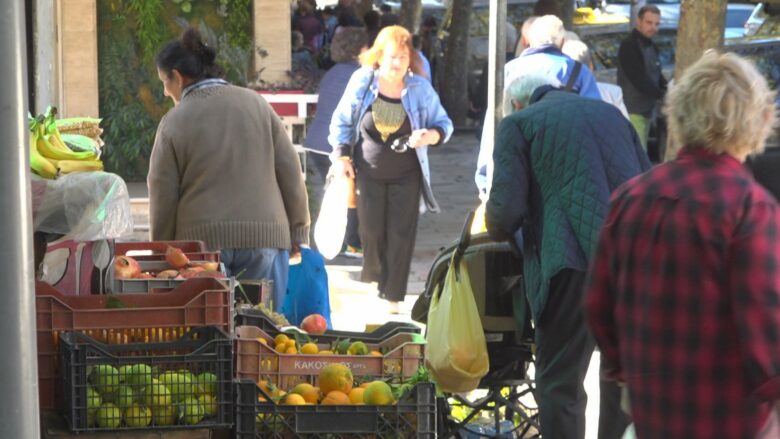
x,y
722,103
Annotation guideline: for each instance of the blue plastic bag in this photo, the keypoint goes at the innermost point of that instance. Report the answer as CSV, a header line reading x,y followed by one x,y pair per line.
x,y
307,289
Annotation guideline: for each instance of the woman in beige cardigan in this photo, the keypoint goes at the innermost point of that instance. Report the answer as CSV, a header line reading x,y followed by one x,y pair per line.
x,y
223,170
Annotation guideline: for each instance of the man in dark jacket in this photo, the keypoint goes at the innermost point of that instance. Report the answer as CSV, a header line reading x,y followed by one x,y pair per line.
x,y
639,71
556,163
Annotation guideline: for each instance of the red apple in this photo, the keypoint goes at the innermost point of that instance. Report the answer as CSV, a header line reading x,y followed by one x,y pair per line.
x,y
314,324
126,267
210,273
208,266
167,274
176,258
190,272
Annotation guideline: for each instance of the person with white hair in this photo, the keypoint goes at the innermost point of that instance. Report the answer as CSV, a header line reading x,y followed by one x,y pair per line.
x,y
684,296
558,156
543,57
611,93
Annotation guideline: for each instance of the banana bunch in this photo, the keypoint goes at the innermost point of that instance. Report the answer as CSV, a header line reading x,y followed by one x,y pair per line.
x,y
50,156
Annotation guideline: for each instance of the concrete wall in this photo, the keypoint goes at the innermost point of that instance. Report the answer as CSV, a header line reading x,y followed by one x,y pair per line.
x,y
272,33
74,85
79,58
46,56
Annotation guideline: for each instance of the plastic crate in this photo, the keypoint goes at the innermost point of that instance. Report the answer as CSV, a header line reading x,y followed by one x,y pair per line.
x,y
93,372
414,416
195,250
147,285
257,318
403,355
144,318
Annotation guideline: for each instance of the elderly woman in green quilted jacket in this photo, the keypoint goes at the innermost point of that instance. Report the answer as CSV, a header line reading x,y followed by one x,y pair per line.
x,y
551,184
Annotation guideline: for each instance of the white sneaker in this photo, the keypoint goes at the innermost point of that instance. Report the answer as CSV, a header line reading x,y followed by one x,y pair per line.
x,y
394,307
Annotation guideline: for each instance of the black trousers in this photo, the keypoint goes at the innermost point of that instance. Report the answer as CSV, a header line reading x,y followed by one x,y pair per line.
x,y
388,212
563,350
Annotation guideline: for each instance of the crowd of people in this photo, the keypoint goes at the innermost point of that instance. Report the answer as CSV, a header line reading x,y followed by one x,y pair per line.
x,y
670,270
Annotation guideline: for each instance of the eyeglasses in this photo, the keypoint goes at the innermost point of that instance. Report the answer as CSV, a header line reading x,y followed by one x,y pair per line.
x,y
400,144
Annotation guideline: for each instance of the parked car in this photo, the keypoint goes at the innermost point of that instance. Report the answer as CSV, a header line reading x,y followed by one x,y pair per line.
x,y
737,14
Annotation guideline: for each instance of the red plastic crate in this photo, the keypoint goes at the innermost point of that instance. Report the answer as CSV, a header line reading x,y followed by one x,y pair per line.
x,y
162,316
195,250
403,355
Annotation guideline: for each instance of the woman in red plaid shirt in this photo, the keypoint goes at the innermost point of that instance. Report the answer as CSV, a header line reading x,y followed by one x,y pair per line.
x,y
684,294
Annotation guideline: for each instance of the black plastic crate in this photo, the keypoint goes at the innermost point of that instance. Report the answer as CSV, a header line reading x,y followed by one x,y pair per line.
x,y
257,318
185,383
413,416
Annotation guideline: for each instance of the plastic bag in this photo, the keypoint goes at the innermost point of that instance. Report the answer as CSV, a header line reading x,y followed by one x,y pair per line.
x,y
83,206
332,220
307,289
457,352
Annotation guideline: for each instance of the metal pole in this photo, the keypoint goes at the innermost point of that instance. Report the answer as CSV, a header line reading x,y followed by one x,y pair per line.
x,y
496,61
19,416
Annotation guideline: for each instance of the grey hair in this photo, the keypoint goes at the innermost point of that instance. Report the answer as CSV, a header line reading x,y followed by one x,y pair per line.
x,y
578,51
546,30
571,36
522,88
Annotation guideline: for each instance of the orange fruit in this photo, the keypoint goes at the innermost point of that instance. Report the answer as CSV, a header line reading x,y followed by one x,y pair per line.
x,y
291,344
326,352
281,347
376,354
294,399
356,395
291,350
364,385
378,393
310,349
309,393
335,376
262,340
336,397
281,339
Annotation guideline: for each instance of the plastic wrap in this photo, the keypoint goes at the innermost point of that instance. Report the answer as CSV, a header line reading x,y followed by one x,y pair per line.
x,y
83,206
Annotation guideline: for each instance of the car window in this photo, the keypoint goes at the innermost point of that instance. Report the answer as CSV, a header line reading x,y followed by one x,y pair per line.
x,y
737,18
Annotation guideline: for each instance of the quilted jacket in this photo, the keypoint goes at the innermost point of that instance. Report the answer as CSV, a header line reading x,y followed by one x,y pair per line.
x,y
556,163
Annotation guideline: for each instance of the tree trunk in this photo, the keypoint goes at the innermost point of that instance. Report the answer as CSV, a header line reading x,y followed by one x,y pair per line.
x,y
411,12
453,89
567,13
701,28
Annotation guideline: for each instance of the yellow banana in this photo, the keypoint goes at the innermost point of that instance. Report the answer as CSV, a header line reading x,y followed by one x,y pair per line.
x,y
68,166
38,163
59,151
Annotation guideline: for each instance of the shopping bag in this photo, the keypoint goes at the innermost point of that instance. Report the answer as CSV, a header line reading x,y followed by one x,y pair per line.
x,y
307,289
456,353
332,220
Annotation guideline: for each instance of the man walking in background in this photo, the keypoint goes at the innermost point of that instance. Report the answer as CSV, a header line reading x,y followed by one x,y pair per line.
x,y
639,71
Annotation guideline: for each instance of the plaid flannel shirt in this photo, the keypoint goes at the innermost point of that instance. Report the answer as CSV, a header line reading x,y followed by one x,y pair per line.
x,y
684,298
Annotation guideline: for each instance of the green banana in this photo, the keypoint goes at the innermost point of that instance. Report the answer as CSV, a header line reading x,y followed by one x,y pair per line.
x,y
38,163
51,148
68,166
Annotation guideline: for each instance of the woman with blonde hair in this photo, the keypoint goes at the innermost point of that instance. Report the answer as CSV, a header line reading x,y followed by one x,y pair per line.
x,y
380,133
684,296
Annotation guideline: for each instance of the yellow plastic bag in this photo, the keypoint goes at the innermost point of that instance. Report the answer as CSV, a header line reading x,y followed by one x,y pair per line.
x,y
456,353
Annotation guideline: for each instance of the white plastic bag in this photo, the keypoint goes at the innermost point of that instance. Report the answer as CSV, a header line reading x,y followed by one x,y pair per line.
x,y
332,221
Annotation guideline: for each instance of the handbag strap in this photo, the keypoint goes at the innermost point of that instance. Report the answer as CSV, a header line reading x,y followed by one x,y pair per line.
x,y
365,93
575,73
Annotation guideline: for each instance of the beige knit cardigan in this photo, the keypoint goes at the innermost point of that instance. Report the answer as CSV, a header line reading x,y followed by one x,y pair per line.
x,y
223,171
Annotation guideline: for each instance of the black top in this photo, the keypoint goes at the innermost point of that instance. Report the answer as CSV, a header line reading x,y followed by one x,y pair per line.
x,y
639,74
385,121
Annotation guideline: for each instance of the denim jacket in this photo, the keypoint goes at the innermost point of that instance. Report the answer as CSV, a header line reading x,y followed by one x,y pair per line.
x,y
420,102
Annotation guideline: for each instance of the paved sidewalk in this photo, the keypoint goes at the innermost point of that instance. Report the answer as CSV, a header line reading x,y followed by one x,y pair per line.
x,y
355,304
